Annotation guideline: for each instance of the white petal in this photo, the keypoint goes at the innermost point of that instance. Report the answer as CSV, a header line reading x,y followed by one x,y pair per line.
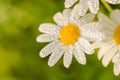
x,y
59,19
103,50
46,38
47,49
79,55
97,44
119,47
92,37
116,58
116,69
116,61
100,44
93,6
106,22
109,55
79,10
67,14
113,1
87,18
107,32
68,57
83,7
93,26
74,13
86,46
83,1
91,32
56,55
69,3
49,28
115,16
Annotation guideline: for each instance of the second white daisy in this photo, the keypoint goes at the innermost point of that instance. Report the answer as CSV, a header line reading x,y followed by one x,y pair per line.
x,y
70,37
110,47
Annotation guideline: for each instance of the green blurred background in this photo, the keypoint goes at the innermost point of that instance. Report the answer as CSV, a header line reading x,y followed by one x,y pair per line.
x,y
19,51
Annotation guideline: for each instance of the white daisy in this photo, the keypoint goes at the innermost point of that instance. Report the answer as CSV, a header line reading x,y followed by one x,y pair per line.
x,y
83,6
70,37
110,46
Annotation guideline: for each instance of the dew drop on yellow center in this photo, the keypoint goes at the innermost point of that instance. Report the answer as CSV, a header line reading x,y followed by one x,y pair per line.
x,y
117,35
69,34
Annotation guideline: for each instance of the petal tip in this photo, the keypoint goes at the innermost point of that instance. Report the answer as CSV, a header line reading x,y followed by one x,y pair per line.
x,y
50,64
105,64
41,55
66,66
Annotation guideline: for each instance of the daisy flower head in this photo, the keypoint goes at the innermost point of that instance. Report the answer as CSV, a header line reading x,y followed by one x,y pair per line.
x,y
84,5
69,37
110,46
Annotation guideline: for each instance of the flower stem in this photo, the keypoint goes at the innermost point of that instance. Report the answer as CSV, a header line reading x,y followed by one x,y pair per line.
x,y
108,7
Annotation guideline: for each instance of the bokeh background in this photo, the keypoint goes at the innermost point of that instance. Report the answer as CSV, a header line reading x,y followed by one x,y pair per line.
x,y
19,51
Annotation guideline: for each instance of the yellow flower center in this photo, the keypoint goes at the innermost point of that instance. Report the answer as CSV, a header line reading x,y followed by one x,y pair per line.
x,y
117,35
69,34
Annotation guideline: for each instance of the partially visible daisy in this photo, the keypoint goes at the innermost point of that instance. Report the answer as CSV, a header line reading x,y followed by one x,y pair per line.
x,y
110,46
83,6
70,36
